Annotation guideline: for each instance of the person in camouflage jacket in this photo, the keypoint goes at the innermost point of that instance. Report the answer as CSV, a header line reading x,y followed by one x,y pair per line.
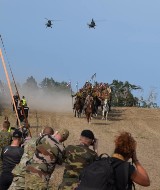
x,y
49,152
19,171
5,138
77,158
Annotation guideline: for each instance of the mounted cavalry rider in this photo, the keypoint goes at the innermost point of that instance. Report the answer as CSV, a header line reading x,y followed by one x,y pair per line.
x,y
87,101
78,95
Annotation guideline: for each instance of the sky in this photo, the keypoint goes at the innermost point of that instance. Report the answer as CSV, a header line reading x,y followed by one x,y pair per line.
x,y
124,46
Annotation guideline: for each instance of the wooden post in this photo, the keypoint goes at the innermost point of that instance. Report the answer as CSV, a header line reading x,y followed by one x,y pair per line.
x,y
9,85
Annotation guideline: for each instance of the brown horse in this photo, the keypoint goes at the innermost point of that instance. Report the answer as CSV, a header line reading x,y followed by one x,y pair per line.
x,y
78,106
89,109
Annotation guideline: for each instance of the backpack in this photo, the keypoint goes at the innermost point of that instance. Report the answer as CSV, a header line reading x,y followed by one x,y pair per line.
x,y
100,174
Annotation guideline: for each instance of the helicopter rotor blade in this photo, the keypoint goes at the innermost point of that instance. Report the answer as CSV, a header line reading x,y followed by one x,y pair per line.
x,y
57,20
102,20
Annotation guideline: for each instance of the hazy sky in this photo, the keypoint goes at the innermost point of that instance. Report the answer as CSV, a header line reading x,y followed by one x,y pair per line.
x,y
124,46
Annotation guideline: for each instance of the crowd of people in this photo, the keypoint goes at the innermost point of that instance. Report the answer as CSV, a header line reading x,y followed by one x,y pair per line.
x,y
100,90
28,162
21,106
92,96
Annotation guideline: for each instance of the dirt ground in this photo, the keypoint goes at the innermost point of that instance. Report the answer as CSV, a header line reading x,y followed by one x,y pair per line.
x,y
143,124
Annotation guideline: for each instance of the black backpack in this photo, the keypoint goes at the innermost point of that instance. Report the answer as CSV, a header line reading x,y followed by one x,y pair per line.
x,y
100,174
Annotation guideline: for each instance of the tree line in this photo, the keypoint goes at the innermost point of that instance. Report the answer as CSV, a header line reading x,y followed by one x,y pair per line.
x,y
122,92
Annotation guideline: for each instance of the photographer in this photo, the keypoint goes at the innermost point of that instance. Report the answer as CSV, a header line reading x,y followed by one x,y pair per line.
x,y
11,155
126,173
77,158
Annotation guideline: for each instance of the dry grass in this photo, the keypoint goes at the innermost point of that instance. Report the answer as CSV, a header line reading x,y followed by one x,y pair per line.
x,y
143,124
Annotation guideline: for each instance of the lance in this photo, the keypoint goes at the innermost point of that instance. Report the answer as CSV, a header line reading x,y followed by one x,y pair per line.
x,y
37,123
72,97
77,86
70,86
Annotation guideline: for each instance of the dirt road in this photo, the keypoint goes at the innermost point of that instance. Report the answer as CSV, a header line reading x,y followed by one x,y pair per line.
x,y
143,124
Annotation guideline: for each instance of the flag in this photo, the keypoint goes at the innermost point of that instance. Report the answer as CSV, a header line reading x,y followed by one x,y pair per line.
x,y
93,76
69,84
76,84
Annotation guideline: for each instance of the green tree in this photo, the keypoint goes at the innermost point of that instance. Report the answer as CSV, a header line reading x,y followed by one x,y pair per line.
x,y
31,83
122,93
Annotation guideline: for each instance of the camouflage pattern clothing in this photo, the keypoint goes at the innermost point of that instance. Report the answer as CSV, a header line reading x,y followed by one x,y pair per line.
x,y
19,171
49,152
35,182
5,140
78,157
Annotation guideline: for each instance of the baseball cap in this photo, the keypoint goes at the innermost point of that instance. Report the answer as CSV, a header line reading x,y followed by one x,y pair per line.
x,y
87,133
17,134
64,133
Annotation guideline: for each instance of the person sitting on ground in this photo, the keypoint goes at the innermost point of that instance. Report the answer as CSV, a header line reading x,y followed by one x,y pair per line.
x,y
18,182
77,158
49,152
125,149
11,155
5,138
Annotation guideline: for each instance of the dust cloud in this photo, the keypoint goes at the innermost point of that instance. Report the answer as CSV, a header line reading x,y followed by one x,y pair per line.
x,y
41,99
57,101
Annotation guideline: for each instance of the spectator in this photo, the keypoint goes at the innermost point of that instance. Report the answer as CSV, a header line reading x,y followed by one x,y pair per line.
x,y
18,182
125,148
24,101
11,156
22,112
49,152
5,138
16,98
77,158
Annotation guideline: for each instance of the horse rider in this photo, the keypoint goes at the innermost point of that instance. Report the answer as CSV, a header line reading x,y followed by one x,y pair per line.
x,y
78,95
87,101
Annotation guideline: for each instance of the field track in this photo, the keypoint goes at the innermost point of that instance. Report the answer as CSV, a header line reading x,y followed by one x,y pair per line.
x,y
143,124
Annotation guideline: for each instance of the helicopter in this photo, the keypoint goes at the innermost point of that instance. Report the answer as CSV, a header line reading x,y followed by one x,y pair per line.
x,y
49,23
92,24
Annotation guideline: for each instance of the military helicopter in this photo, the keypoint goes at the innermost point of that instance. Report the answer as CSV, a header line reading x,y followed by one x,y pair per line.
x,y
92,24
49,23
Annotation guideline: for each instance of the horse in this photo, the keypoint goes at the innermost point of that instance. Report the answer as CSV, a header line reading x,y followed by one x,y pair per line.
x,y
96,104
89,110
78,106
105,109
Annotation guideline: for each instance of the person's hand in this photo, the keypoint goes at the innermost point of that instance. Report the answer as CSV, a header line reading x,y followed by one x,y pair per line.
x,y
134,157
95,145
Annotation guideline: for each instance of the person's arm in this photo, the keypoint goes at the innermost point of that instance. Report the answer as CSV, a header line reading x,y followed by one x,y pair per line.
x,y
140,175
95,145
